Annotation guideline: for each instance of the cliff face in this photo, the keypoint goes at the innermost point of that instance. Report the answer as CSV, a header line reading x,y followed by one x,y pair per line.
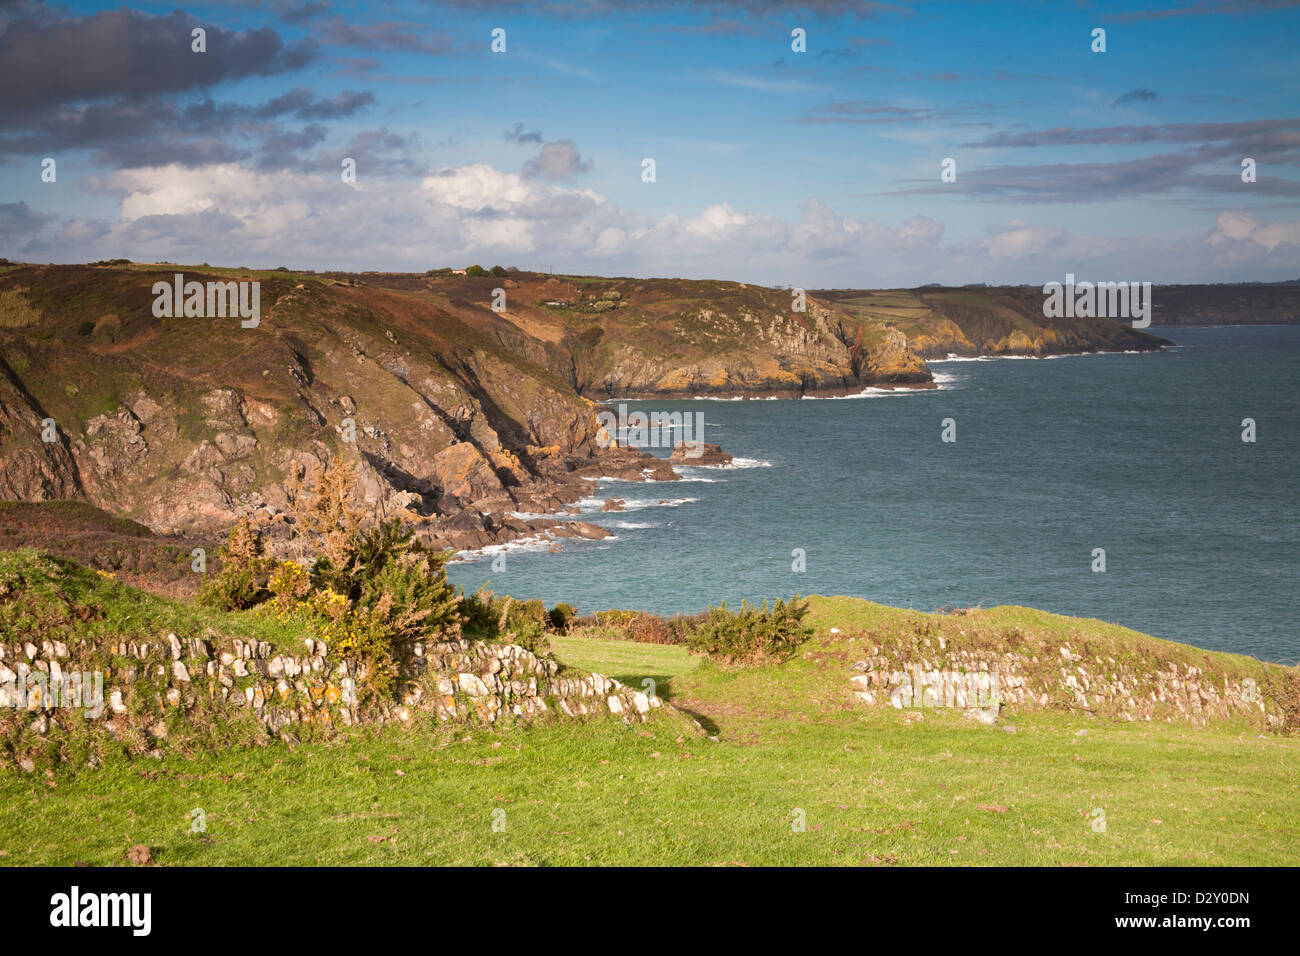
x,y
186,424
938,322
628,338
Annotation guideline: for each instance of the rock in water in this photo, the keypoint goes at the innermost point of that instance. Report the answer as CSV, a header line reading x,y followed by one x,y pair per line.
x,y
699,453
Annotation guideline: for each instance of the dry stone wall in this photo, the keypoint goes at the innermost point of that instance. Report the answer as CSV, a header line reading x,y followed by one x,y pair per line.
x,y
138,688
986,679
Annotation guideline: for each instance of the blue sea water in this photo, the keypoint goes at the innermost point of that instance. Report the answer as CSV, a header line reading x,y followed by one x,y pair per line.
x,y
1138,454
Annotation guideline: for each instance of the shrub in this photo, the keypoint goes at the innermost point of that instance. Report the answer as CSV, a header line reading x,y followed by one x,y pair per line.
x,y
497,271
411,596
369,590
752,634
289,584
325,521
640,626
476,270
356,632
241,582
494,617
653,629
560,616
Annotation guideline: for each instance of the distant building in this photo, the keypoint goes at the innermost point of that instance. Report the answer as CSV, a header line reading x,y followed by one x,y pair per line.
x,y
458,272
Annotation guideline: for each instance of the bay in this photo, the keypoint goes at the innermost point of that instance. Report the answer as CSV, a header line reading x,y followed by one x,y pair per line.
x,y
1137,454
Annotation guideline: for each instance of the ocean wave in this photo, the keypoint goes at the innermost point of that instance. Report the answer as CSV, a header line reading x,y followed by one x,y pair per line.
x,y
533,543
736,462
1030,358
593,505
869,392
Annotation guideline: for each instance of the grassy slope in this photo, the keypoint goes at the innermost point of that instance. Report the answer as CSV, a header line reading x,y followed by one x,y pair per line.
x,y
94,343
61,600
984,320
97,540
876,789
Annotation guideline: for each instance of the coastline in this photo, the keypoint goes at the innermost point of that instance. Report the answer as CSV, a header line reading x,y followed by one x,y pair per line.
x,y
762,394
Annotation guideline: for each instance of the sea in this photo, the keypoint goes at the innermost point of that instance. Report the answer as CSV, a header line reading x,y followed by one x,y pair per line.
x,y
1115,486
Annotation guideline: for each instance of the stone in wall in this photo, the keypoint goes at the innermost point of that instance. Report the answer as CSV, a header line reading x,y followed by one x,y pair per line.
x,y
1169,691
142,683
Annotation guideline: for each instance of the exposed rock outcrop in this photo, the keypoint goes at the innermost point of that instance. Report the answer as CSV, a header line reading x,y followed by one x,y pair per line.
x,y
700,454
189,425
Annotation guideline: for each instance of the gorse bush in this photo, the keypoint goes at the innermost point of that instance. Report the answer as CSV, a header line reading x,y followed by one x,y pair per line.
x,y
640,626
366,592
241,581
410,594
560,616
290,583
495,617
752,634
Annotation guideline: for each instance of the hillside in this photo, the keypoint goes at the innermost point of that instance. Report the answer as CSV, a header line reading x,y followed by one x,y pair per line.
x,y
1247,303
186,424
625,338
941,321
461,418
119,547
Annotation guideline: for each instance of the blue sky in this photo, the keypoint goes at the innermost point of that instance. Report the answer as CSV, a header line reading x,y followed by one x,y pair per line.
x,y
807,168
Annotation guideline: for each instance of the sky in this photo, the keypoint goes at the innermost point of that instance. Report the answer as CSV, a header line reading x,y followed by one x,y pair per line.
x,y
814,167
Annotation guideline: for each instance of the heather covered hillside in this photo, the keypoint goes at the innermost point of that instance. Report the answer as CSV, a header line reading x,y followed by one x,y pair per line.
x,y
189,423
940,321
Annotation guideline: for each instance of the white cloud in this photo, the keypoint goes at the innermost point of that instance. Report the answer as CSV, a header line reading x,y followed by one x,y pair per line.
x,y
1235,226
233,215
1016,239
714,222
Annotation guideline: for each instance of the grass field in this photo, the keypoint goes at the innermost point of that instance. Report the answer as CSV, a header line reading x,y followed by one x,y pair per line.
x,y
869,786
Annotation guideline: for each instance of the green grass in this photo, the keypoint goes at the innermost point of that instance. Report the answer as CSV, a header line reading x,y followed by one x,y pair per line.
x,y
627,661
873,787
61,600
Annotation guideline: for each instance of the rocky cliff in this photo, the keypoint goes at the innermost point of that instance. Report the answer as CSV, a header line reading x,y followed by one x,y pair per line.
x,y
969,321
646,338
187,424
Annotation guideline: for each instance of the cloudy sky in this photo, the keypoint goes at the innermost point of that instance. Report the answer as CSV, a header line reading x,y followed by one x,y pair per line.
x,y
813,168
